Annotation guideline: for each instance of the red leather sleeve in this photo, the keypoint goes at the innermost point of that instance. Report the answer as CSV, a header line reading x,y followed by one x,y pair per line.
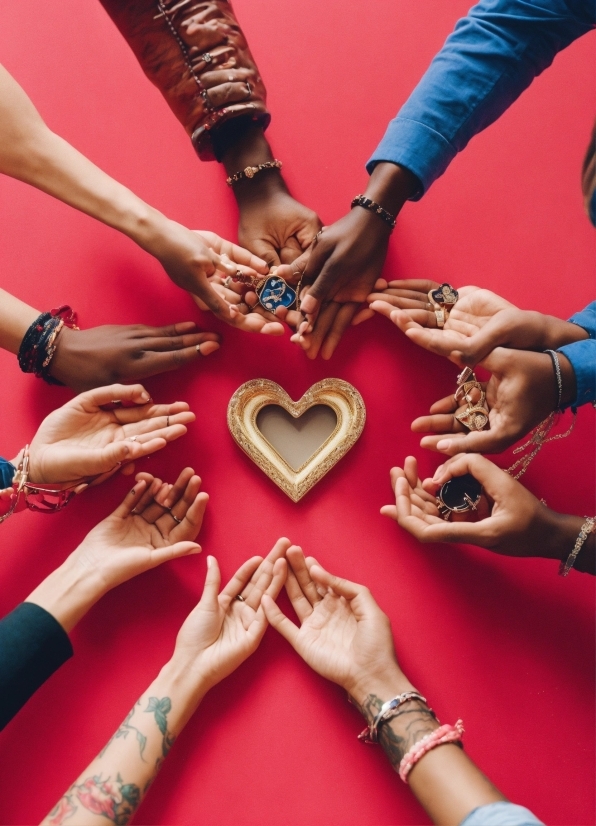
x,y
197,56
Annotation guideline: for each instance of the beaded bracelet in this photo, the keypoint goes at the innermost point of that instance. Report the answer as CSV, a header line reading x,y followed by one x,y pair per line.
x,y
40,341
251,171
442,735
372,206
587,528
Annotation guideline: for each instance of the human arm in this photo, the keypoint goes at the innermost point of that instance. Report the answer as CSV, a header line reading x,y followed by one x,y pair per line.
x,y
102,355
218,635
520,394
34,636
479,322
346,638
510,520
31,152
82,439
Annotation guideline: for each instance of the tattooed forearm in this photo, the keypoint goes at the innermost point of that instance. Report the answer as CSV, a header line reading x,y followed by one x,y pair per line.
x,y
160,709
124,730
113,799
397,736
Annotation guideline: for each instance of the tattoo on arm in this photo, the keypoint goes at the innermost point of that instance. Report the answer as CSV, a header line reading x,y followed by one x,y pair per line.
x,y
398,735
113,799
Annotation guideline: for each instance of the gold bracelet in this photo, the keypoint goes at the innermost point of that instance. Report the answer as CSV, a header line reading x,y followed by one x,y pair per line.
x,y
588,527
251,171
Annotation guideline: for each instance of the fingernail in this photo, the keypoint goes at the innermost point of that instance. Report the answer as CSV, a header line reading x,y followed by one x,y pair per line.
x,y
438,472
145,396
444,444
199,349
210,561
133,491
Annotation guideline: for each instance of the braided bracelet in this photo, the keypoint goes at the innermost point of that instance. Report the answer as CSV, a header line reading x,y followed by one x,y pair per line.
x,y
587,528
372,206
438,737
389,710
40,341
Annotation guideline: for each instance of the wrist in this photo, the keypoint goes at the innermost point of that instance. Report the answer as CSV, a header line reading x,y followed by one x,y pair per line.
x,y
391,185
557,333
251,150
559,532
183,679
568,380
67,594
385,686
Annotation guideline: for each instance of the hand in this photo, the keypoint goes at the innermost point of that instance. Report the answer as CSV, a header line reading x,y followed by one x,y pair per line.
x,y
139,535
222,631
510,519
80,441
345,262
191,258
480,322
85,359
343,635
142,532
520,394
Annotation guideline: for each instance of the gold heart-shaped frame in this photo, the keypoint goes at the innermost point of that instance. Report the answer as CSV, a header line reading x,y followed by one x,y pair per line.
x,y
250,398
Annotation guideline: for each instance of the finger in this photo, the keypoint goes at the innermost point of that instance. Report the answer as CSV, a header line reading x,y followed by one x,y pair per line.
x,y
212,583
411,471
161,555
317,271
163,339
239,581
323,323
277,552
92,400
300,603
340,586
341,322
130,415
440,423
415,285
153,363
495,482
362,315
279,621
298,565
266,251
479,441
131,500
156,425
390,511
280,572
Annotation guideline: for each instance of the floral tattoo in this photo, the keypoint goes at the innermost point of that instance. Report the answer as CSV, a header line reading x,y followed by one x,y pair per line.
x,y
113,799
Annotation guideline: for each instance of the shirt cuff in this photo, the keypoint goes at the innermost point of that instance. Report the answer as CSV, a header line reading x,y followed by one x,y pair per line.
x,y
33,645
417,147
586,319
582,355
501,814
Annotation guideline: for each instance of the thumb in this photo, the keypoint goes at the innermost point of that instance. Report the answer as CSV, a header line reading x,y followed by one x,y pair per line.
x,y
279,621
479,441
495,481
266,251
160,555
212,583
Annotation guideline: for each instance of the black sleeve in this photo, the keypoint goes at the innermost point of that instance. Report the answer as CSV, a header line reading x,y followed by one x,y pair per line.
x,y
32,646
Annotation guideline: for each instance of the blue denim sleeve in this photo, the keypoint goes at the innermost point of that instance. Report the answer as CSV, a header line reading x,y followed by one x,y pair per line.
x,y
492,55
501,814
586,319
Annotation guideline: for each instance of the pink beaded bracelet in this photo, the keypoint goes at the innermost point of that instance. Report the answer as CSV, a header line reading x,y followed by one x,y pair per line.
x,y
444,734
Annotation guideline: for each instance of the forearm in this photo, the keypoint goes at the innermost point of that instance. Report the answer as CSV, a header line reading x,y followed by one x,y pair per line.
x,y
15,319
560,534
391,185
445,781
115,782
252,149
68,593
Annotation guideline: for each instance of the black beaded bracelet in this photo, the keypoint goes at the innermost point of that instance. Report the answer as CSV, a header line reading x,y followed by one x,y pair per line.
x,y
372,206
39,342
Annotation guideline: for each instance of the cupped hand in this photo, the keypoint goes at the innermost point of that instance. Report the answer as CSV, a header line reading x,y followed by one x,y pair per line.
x,y
275,226
99,356
520,394
345,263
474,327
142,532
343,634
222,631
510,520
80,440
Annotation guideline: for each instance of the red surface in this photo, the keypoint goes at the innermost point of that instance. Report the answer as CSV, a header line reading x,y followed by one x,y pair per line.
x,y
503,643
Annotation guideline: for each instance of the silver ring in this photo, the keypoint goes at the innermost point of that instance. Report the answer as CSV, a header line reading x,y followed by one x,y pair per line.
x,y
240,598
133,438
248,88
207,57
134,512
175,518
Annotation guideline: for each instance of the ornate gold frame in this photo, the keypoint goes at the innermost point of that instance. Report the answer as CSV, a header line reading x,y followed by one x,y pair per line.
x,y
251,397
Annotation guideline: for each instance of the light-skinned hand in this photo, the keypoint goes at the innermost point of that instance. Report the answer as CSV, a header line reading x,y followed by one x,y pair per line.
x,y
343,634
80,440
222,631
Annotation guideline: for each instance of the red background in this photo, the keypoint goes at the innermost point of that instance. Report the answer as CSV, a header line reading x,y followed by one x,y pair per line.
x,y
503,643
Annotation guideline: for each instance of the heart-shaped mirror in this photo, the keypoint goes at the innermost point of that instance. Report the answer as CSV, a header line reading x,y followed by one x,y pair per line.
x,y
296,443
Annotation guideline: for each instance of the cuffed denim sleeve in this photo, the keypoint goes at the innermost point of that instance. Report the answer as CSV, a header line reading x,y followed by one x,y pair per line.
x,y
32,646
582,355
586,319
501,814
492,55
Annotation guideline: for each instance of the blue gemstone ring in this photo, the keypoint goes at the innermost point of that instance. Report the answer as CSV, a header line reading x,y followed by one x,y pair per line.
x,y
276,293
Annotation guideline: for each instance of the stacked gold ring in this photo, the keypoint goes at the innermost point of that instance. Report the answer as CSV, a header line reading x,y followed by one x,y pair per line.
x,y
442,300
475,415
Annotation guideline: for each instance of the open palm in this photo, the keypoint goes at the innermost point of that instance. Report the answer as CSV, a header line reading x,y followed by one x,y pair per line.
x,y
155,523
82,440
